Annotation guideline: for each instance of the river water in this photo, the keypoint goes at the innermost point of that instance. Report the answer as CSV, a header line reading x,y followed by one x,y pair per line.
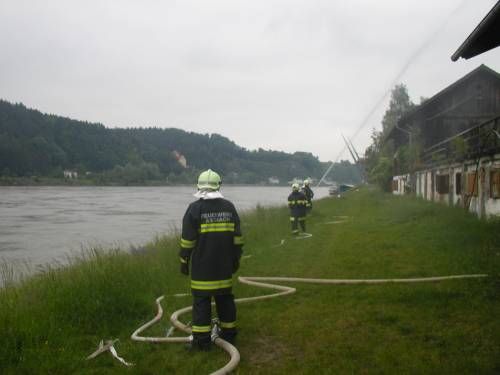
x,y
40,225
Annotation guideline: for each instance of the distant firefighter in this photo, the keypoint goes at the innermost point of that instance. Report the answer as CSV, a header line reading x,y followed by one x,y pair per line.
x,y
297,202
306,189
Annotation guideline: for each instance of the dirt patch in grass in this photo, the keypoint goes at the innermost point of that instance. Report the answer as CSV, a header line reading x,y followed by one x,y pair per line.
x,y
347,324
266,350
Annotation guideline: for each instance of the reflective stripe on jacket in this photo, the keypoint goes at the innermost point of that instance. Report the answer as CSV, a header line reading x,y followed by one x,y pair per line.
x,y
297,202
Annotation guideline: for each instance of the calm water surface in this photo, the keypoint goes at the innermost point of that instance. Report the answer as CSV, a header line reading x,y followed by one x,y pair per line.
x,y
44,224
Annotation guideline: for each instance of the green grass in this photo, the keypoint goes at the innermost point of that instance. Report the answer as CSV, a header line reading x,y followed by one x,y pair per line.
x,y
49,323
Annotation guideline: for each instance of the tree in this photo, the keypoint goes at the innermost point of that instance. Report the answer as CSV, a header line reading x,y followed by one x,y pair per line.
x,y
400,104
380,154
381,173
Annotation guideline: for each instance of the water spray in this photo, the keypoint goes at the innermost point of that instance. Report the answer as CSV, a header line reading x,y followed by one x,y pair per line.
x,y
411,59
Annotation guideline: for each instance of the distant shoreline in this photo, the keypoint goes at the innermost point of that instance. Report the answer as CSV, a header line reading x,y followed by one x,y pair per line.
x,y
46,181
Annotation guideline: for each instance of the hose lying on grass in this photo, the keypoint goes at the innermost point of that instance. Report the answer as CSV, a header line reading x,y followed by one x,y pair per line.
x,y
174,318
109,346
282,291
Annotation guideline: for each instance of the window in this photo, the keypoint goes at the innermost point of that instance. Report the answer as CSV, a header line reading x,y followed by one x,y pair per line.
x,y
443,184
495,183
394,185
458,184
472,184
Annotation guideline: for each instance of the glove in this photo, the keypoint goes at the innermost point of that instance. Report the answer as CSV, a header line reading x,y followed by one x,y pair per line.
x,y
236,265
185,266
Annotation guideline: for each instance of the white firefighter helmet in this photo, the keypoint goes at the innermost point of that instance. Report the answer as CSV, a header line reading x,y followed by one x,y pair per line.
x,y
209,180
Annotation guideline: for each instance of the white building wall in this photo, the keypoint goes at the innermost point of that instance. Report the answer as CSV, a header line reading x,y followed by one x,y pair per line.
x,y
428,183
484,205
421,184
417,184
400,183
491,205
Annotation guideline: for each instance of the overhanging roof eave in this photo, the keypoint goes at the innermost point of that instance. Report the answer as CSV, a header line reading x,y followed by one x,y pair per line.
x,y
488,27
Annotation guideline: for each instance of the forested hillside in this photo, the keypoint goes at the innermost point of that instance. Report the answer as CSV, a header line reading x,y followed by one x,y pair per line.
x,y
37,144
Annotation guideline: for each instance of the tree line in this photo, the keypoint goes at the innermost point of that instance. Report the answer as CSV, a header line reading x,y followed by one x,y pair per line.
x,y
44,145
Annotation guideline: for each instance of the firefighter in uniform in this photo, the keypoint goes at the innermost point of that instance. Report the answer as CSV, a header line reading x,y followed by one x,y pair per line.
x,y
306,189
297,202
212,244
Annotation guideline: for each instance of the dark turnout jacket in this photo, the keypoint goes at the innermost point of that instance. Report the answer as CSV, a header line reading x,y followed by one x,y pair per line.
x,y
297,202
308,192
212,240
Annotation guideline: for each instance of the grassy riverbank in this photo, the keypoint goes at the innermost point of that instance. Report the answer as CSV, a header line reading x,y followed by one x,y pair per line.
x,y
51,322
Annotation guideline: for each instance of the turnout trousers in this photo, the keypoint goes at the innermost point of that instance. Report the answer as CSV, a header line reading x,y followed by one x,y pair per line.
x,y
296,220
202,318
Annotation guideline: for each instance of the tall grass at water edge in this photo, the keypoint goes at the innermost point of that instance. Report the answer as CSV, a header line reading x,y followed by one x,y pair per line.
x,y
50,322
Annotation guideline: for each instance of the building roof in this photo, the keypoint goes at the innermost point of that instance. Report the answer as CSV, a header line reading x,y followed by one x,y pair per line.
x,y
409,115
484,37
454,85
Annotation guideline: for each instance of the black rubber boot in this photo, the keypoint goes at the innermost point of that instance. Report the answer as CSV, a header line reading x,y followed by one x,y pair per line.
x,y
228,335
303,225
201,343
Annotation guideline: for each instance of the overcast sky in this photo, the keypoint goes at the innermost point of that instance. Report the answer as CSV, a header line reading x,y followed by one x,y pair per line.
x,y
289,75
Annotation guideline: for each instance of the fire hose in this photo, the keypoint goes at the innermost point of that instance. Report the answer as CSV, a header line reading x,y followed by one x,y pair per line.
x,y
282,291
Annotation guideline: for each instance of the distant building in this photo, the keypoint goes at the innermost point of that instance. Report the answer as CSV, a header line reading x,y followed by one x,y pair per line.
x,y
458,134
466,103
70,174
273,180
400,184
181,159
